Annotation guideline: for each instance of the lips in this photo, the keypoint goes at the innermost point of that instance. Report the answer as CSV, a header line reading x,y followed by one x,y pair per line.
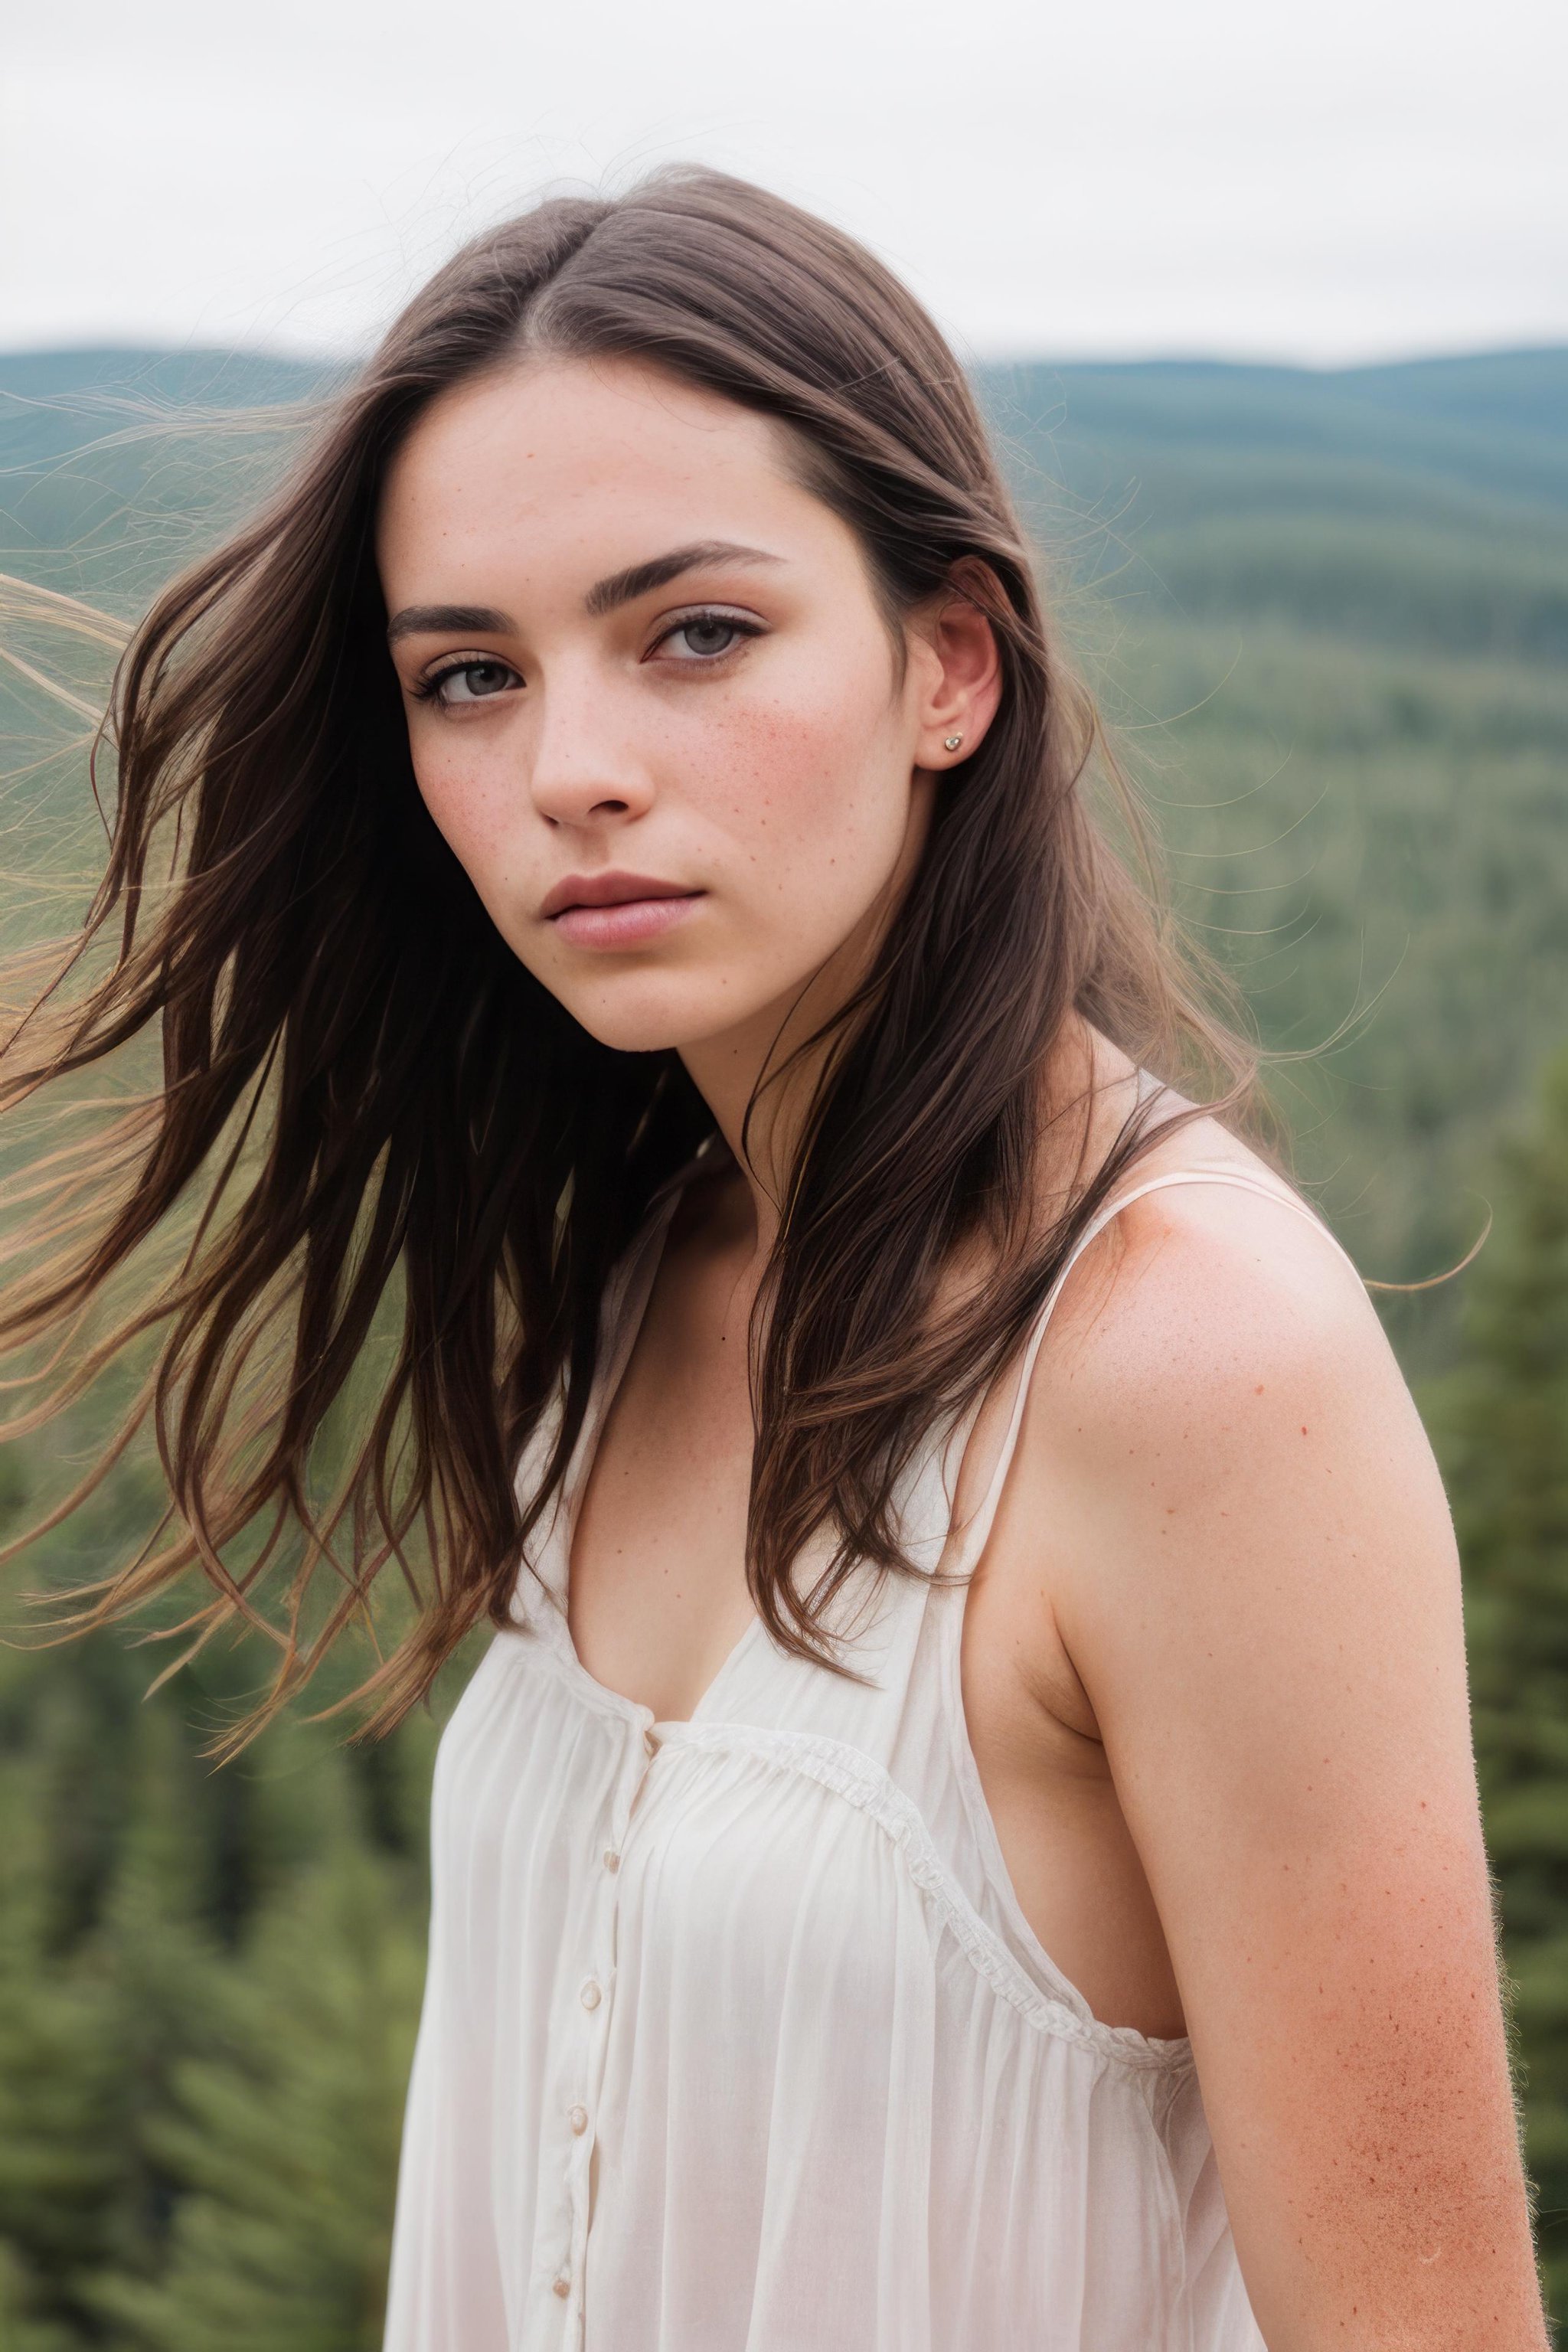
x,y
610,889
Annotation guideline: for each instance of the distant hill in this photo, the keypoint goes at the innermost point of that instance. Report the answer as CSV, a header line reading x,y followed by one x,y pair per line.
x,y
1423,505
1328,611
115,464
1497,423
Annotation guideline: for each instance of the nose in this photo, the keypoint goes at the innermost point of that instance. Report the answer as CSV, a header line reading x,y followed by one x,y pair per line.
x,y
586,762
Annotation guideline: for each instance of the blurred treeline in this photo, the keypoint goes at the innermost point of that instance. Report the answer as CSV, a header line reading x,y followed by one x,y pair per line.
x,y
1328,615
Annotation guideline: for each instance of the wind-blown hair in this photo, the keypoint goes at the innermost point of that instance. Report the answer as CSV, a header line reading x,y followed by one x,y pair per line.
x,y
377,1106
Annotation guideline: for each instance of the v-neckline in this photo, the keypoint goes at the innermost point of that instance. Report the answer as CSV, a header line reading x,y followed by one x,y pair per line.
x,y
635,1289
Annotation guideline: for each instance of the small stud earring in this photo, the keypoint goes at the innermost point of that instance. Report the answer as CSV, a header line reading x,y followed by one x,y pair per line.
x,y
951,742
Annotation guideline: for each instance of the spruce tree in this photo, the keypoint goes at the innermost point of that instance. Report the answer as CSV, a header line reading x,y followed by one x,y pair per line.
x,y
284,2145
92,2017
1500,1425
55,2164
137,1884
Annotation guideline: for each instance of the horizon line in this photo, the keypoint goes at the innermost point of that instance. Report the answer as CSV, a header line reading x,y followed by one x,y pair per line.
x,y
327,361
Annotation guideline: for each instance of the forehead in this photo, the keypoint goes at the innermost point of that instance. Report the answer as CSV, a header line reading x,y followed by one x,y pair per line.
x,y
567,447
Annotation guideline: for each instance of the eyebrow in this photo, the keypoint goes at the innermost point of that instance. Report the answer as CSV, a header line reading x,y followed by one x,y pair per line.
x,y
619,588
642,579
441,620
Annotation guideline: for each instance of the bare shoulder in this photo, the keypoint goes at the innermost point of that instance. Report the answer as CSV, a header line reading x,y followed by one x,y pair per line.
x,y
1213,1365
1215,1396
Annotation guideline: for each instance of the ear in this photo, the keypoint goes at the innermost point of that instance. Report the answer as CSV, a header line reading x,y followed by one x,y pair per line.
x,y
959,667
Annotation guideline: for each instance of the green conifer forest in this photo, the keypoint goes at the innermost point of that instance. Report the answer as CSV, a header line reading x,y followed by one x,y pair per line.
x,y
1327,615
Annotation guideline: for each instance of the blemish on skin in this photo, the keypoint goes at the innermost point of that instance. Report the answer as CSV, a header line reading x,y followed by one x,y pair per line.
x,y
1303,1429
1259,1390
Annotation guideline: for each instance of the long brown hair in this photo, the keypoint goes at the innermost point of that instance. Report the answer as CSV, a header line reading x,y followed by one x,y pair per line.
x,y
381,1110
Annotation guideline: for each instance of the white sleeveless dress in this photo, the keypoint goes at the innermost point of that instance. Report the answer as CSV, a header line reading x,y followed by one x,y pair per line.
x,y
735,2037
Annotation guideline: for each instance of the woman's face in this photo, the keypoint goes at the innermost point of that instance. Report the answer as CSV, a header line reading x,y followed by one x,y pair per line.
x,y
630,645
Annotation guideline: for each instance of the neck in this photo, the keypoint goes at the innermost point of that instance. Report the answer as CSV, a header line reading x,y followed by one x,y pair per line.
x,y
752,1060
776,1049
725,1072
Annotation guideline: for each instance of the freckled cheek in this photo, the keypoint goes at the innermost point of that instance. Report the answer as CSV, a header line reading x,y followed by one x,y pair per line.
x,y
802,790
471,808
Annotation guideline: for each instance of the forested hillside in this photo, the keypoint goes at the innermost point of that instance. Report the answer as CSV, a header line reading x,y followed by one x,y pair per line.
x,y
1331,612
1328,614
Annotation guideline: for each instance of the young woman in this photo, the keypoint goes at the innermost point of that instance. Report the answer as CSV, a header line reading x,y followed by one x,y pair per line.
x,y
965,1836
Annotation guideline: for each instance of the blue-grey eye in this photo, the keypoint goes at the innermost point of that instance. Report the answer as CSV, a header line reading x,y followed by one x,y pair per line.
x,y
477,679
708,636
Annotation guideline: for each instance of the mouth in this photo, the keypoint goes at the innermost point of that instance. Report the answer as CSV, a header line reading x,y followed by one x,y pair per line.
x,y
616,909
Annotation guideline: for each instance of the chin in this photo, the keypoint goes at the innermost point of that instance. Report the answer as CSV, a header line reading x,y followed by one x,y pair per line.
x,y
644,1016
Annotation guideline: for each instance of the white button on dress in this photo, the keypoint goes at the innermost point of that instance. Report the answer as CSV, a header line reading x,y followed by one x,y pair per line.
x,y
843,2100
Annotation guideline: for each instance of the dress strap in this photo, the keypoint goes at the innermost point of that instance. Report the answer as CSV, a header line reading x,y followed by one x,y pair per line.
x,y
978,1528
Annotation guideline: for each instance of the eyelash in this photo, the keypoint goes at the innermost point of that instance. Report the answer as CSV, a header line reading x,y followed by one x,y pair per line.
x,y
429,689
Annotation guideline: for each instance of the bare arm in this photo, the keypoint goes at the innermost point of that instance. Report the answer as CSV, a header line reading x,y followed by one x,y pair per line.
x,y
1253,1569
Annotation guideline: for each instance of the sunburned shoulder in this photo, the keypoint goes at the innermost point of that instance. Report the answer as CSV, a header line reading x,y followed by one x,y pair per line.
x,y
1190,1285
1213,1365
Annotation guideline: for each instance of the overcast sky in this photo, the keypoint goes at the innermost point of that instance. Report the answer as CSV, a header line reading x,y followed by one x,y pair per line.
x,y
1328,182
